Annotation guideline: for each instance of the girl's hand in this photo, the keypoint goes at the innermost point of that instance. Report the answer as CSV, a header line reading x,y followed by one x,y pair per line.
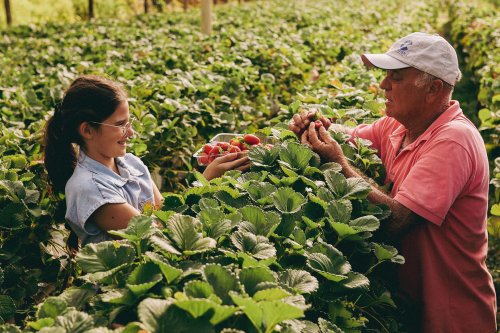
x,y
232,161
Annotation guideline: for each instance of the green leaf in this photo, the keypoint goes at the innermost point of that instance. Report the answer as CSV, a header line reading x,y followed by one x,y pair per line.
x,y
295,156
325,194
198,289
262,223
328,327
14,190
12,217
234,202
260,192
7,307
27,176
198,307
163,245
17,161
214,222
51,308
169,272
78,297
495,210
265,315
144,277
263,157
172,202
357,188
328,261
287,200
352,188
386,252
356,281
258,246
195,307
162,215
340,211
9,328
75,321
104,259
300,281
271,294
221,280
151,314
365,223
119,296
139,227
182,230
41,323
251,277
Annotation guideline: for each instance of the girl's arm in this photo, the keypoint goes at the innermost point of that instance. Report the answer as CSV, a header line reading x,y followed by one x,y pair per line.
x,y
113,216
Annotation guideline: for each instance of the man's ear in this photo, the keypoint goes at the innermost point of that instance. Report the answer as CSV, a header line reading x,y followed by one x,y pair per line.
x,y
435,89
85,130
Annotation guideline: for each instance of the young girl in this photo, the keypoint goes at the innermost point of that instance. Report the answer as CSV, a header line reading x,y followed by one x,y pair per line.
x,y
85,157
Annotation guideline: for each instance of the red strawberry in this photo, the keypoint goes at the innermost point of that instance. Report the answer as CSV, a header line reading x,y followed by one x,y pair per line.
x,y
234,149
223,145
216,151
203,158
251,139
207,148
235,142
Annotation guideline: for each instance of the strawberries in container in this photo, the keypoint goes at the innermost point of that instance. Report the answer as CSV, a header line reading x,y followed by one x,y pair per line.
x,y
226,143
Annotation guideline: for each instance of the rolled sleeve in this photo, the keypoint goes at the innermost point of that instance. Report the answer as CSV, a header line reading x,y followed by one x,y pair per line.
x,y
83,198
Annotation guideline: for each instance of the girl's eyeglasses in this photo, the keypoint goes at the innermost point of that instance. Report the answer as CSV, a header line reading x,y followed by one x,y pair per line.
x,y
124,128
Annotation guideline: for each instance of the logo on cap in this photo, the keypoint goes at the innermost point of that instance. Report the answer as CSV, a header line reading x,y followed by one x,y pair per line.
x,y
403,48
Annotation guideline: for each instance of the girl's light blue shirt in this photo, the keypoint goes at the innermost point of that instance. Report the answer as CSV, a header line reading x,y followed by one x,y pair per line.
x,y
93,185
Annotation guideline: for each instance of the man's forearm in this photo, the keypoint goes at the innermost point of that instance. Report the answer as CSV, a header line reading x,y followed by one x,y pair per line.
x,y
401,218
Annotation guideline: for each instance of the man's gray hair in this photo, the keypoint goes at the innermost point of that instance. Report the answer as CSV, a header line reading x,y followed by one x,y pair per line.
x,y
425,79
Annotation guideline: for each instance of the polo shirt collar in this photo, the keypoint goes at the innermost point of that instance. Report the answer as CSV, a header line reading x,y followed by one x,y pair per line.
x,y
126,170
397,137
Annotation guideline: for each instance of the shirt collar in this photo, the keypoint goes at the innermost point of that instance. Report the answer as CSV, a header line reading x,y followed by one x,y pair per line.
x,y
126,171
398,135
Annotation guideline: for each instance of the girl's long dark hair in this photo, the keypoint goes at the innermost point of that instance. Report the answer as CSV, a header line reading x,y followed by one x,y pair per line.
x,y
88,99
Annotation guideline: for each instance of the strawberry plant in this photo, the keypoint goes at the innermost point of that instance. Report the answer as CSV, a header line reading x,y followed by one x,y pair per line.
x,y
265,251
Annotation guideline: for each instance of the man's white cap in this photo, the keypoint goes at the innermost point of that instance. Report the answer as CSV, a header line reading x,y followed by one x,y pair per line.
x,y
429,53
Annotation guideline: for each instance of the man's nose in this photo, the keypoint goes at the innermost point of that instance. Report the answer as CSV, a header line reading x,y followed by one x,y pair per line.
x,y
385,84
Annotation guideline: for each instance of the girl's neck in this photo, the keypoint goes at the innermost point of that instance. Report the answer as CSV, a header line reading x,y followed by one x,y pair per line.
x,y
109,163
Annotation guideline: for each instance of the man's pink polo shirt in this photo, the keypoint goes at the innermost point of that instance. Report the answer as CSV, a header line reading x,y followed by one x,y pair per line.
x,y
442,176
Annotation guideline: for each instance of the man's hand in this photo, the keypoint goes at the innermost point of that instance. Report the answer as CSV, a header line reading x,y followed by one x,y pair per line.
x,y
232,161
322,143
300,122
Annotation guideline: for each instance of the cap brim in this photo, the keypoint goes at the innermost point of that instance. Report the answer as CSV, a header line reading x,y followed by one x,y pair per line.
x,y
382,61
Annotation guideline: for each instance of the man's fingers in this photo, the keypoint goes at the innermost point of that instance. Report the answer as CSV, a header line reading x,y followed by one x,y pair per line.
x,y
313,136
324,135
304,139
326,122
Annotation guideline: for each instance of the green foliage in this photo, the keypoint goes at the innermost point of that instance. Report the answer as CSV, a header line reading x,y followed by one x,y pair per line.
x,y
292,235
262,273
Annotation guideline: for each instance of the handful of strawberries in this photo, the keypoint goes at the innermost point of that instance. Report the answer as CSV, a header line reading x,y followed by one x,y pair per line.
x,y
241,143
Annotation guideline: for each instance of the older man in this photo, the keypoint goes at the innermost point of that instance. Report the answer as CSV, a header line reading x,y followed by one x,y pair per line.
x,y
436,160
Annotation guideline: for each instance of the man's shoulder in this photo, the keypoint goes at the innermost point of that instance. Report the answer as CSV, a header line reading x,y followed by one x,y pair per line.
x,y
460,130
